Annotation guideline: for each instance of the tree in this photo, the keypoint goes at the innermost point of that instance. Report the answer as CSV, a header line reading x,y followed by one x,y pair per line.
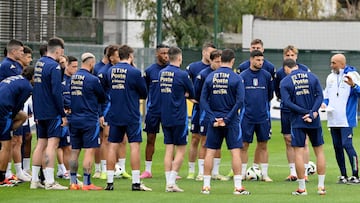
x,y
70,8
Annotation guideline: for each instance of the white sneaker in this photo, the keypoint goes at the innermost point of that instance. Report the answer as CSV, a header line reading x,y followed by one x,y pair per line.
x,y
36,185
199,177
54,186
23,177
27,173
97,174
173,188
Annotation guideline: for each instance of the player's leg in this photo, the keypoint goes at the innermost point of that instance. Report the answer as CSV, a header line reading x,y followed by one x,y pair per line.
x,y
195,140
201,158
339,153
247,130
306,158
104,146
116,135
290,154
17,141
27,149
298,142
5,146
263,133
121,155
347,143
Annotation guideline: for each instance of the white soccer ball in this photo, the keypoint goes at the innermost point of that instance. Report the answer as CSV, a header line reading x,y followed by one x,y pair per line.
x,y
253,173
312,168
118,171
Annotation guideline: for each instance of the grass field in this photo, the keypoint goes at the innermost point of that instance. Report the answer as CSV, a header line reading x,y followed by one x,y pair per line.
x,y
277,191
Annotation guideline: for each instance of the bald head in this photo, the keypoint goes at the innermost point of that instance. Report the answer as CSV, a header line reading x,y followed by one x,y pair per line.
x,y
338,61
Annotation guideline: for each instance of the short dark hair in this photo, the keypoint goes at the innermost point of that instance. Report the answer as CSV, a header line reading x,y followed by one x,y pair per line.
x,y
174,52
227,55
13,44
111,49
257,41
71,59
160,46
105,49
27,50
43,49
54,43
256,53
28,73
207,45
214,54
289,63
125,51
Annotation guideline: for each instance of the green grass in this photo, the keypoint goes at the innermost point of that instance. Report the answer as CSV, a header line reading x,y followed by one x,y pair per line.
x,y
277,191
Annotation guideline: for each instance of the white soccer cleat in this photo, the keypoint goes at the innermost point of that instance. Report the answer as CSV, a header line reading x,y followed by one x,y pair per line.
x,y
36,185
55,186
173,188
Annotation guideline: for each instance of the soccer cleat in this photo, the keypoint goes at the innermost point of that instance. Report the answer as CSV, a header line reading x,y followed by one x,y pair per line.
x,y
146,174
36,185
97,174
24,178
79,182
103,175
7,183
321,191
199,177
230,174
55,186
178,177
109,186
353,180
191,176
14,179
241,191
205,190
299,192
342,180
124,175
306,178
91,187
25,172
173,188
266,179
291,178
74,186
140,187
220,177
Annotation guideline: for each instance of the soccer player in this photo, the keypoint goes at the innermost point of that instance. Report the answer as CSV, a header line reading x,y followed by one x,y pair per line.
x,y
15,90
175,86
86,95
70,64
215,62
301,92
152,120
341,100
10,66
127,87
255,115
289,52
222,97
49,113
102,62
193,70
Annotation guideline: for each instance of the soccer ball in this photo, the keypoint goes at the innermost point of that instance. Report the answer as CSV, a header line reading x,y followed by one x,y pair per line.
x,y
118,171
312,168
253,173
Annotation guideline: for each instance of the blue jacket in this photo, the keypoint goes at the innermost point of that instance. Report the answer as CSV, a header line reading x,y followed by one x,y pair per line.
x,y
267,65
9,67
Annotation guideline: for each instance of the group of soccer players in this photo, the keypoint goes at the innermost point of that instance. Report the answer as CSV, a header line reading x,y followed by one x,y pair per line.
x,y
97,108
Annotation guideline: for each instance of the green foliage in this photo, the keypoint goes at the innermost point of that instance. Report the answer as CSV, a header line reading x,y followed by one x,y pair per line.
x,y
70,8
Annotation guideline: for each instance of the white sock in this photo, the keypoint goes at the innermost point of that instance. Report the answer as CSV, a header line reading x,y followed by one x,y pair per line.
x,y
35,173
110,176
243,170
207,180
26,164
97,167
237,181
201,166
256,165
121,163
191,167
321,180
103,165
18,168
49,175
292,169
60,169
135,176
216,166
167,177
264,169
172,177
301,184
63,168
8,171
306,168
148,165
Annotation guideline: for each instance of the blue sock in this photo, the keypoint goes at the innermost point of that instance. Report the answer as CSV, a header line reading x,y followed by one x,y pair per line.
x,y
73,178
87,179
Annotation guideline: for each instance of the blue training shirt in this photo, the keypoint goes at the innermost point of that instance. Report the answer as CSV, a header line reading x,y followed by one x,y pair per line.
x,y
15,90
174,83
97,67
66,91
267,65
86,94
301,92
127,86
223,95
9,67
102,75
47,94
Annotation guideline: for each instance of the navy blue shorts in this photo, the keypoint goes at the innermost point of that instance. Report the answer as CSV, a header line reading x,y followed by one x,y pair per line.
x,y
84,136
204,126
117,133
298,136
152,123
176,135
49,128
5,128
231,133
26,129
19,131
65,139
262,130
195,119
285,122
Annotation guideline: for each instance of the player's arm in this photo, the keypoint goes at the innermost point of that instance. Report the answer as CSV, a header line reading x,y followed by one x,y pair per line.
x,y
319,98
24,95
353,79
56,90
140,85
270,89
286,98
277,85
189,87
199,82
204,101
240,96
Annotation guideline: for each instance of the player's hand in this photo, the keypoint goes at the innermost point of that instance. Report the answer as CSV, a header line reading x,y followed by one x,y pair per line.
x,y
220,122
102,121
307,118
64,121
348,80
186,94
